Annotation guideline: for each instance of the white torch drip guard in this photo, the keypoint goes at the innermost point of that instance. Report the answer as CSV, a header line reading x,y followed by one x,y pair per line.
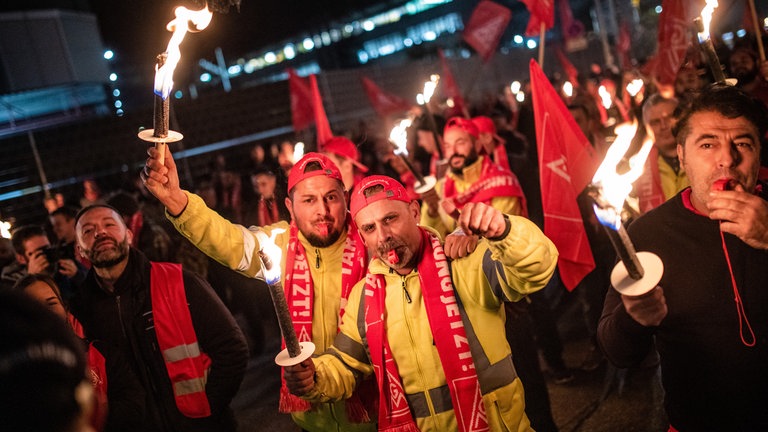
x,y
653,270
149,136
429,184
284,359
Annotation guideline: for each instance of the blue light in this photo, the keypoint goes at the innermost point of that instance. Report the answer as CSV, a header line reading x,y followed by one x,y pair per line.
x,y
178,94
205,77
120,112
109,54
290,51
116,92
741,33
657,9
113,77
234,70
118,104
308,44
368,25
518,39
270,57
531,44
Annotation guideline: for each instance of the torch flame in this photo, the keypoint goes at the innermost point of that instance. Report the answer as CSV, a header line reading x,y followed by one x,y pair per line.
x,y
5,229
568,89
399,137
706,18
634,87
429,88
186,20
615,187
605,97
273,252
298,151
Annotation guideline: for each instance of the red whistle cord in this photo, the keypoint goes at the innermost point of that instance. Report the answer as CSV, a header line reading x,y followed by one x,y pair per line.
x,y
743,320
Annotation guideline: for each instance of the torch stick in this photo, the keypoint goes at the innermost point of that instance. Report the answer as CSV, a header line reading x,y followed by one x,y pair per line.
x,y
709,52
629,276
433,127
758,30
281,309
295,352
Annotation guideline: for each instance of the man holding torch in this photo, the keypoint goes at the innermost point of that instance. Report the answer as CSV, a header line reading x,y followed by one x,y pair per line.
x,y
709,313
430,330
322,251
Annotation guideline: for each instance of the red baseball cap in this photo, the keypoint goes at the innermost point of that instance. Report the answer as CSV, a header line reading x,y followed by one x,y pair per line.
x,y
486,125
327,168
462,123
393,191
342,146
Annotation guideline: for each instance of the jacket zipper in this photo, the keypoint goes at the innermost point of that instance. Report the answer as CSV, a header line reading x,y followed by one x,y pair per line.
x,y
405,290
317,258
120,317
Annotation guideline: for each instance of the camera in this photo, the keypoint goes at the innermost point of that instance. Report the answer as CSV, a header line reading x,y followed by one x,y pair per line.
x,y
52,254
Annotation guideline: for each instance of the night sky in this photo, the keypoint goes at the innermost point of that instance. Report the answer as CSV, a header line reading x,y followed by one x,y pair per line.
x,y
135,29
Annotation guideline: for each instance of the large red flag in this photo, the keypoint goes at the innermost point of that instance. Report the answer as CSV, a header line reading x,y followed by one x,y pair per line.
x,y
485,27
673,39
566,165
450,87
302,113
542,11
383,103
322,126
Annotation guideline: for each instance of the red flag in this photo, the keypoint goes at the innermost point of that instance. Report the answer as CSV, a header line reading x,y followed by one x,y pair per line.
x,y
383,103
301,101
566,164
672,39
322,126
450,87
485,27
542,11
570,70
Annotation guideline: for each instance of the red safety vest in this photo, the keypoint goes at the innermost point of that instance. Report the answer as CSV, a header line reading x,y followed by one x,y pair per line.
x,y
187,365
97,375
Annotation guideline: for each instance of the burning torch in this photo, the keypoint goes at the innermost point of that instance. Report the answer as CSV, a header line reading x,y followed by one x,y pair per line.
x,y
705,41
185,21
637,272
423,99
399,138
295,352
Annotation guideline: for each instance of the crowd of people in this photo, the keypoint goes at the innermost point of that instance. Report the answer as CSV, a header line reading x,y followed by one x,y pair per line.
x,y
429,308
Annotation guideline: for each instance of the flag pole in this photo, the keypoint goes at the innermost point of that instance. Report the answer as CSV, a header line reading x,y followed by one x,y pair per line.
x,y
542,40
758,30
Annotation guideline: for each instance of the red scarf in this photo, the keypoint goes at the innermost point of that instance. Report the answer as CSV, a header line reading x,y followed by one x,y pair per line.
x,y
649,192
494,182
446,325
299,293
137,223
267,214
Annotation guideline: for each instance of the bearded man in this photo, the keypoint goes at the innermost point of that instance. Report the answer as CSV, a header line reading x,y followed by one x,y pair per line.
x,y
183,354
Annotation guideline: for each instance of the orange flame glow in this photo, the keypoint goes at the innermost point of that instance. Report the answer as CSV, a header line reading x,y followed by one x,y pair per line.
x,y
186,20
615,187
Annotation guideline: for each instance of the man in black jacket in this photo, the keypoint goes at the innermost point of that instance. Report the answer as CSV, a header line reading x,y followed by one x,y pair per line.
x,y
709,314
120,307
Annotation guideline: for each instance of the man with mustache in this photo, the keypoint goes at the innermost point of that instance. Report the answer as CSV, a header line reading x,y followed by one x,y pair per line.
x,y
708,316
470,178
184,355
745,65
322,258
432,331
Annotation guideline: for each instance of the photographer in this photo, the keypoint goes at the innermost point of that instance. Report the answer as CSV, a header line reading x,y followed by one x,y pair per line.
x,y
34,255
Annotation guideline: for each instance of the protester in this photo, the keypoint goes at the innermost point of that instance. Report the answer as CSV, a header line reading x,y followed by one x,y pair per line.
x,y
35,255
322,258
745,65
43,386
708,314
471,178
186,354
663,177
403,319
343,153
